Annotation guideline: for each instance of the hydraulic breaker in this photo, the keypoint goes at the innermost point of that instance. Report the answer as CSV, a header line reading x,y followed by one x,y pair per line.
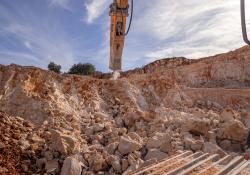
x,y
118,13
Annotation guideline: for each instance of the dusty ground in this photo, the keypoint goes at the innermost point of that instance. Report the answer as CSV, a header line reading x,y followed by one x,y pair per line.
x,y
73,124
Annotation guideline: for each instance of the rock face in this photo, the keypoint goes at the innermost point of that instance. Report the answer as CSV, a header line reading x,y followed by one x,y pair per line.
x,y
69,124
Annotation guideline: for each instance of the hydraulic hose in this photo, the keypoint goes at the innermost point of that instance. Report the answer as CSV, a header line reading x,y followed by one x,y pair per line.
x,y
131,17
243,22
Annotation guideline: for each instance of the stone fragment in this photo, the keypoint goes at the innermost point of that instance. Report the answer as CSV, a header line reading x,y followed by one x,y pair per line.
x,y
2,145
119,121
40,163
125,165
197,126
25,168
89,131
227,115
115,163
226,145
129,143
247,154
71,166
162,140
155,154
133,167
233,130
213,149
212,136
27,124
188,140
197,145
131,159
24,144
48,155
96,162
36,139
245,118
111,148
3,170
65,144
52,166
98,127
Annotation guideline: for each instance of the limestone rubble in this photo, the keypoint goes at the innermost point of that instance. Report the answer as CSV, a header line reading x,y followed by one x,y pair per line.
x,y
67,124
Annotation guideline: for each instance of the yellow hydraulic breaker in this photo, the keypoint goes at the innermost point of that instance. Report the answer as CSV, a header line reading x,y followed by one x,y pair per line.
x,y
118,13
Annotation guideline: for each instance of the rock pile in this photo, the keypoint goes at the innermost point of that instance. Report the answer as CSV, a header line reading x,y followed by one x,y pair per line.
x,y
66,124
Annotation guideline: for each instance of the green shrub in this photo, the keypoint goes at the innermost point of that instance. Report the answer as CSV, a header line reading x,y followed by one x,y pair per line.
x,y
82,69
54,67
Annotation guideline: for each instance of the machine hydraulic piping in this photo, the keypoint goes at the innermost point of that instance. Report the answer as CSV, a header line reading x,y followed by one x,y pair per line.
x,y
243,21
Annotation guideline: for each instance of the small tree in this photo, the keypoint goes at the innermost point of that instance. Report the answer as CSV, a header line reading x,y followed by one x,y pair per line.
x,y
82,69
54,67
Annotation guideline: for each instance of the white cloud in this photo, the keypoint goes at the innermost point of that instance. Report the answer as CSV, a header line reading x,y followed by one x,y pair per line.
x,y
47,44
21,55
60,3
27,44
96,8
194,28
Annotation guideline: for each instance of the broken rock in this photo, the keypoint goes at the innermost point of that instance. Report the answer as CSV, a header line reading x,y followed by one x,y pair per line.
x,y
65,144
233,130
111,148
52,166
197,126
213,149
71,166
227,115
158,140
129,143
155,154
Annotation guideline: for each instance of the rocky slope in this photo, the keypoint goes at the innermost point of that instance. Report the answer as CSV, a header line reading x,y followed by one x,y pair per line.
x,y
82,125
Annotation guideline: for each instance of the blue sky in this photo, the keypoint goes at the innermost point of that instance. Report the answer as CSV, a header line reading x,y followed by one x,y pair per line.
x,y
35,32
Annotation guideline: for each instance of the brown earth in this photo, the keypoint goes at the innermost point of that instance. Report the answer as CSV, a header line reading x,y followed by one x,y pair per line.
x,y
88,125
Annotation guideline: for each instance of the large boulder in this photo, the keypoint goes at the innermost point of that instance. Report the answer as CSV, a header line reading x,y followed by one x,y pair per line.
x,y
72,166
129,143
233,130
158,140
227,115
197,126
97,162
64,144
